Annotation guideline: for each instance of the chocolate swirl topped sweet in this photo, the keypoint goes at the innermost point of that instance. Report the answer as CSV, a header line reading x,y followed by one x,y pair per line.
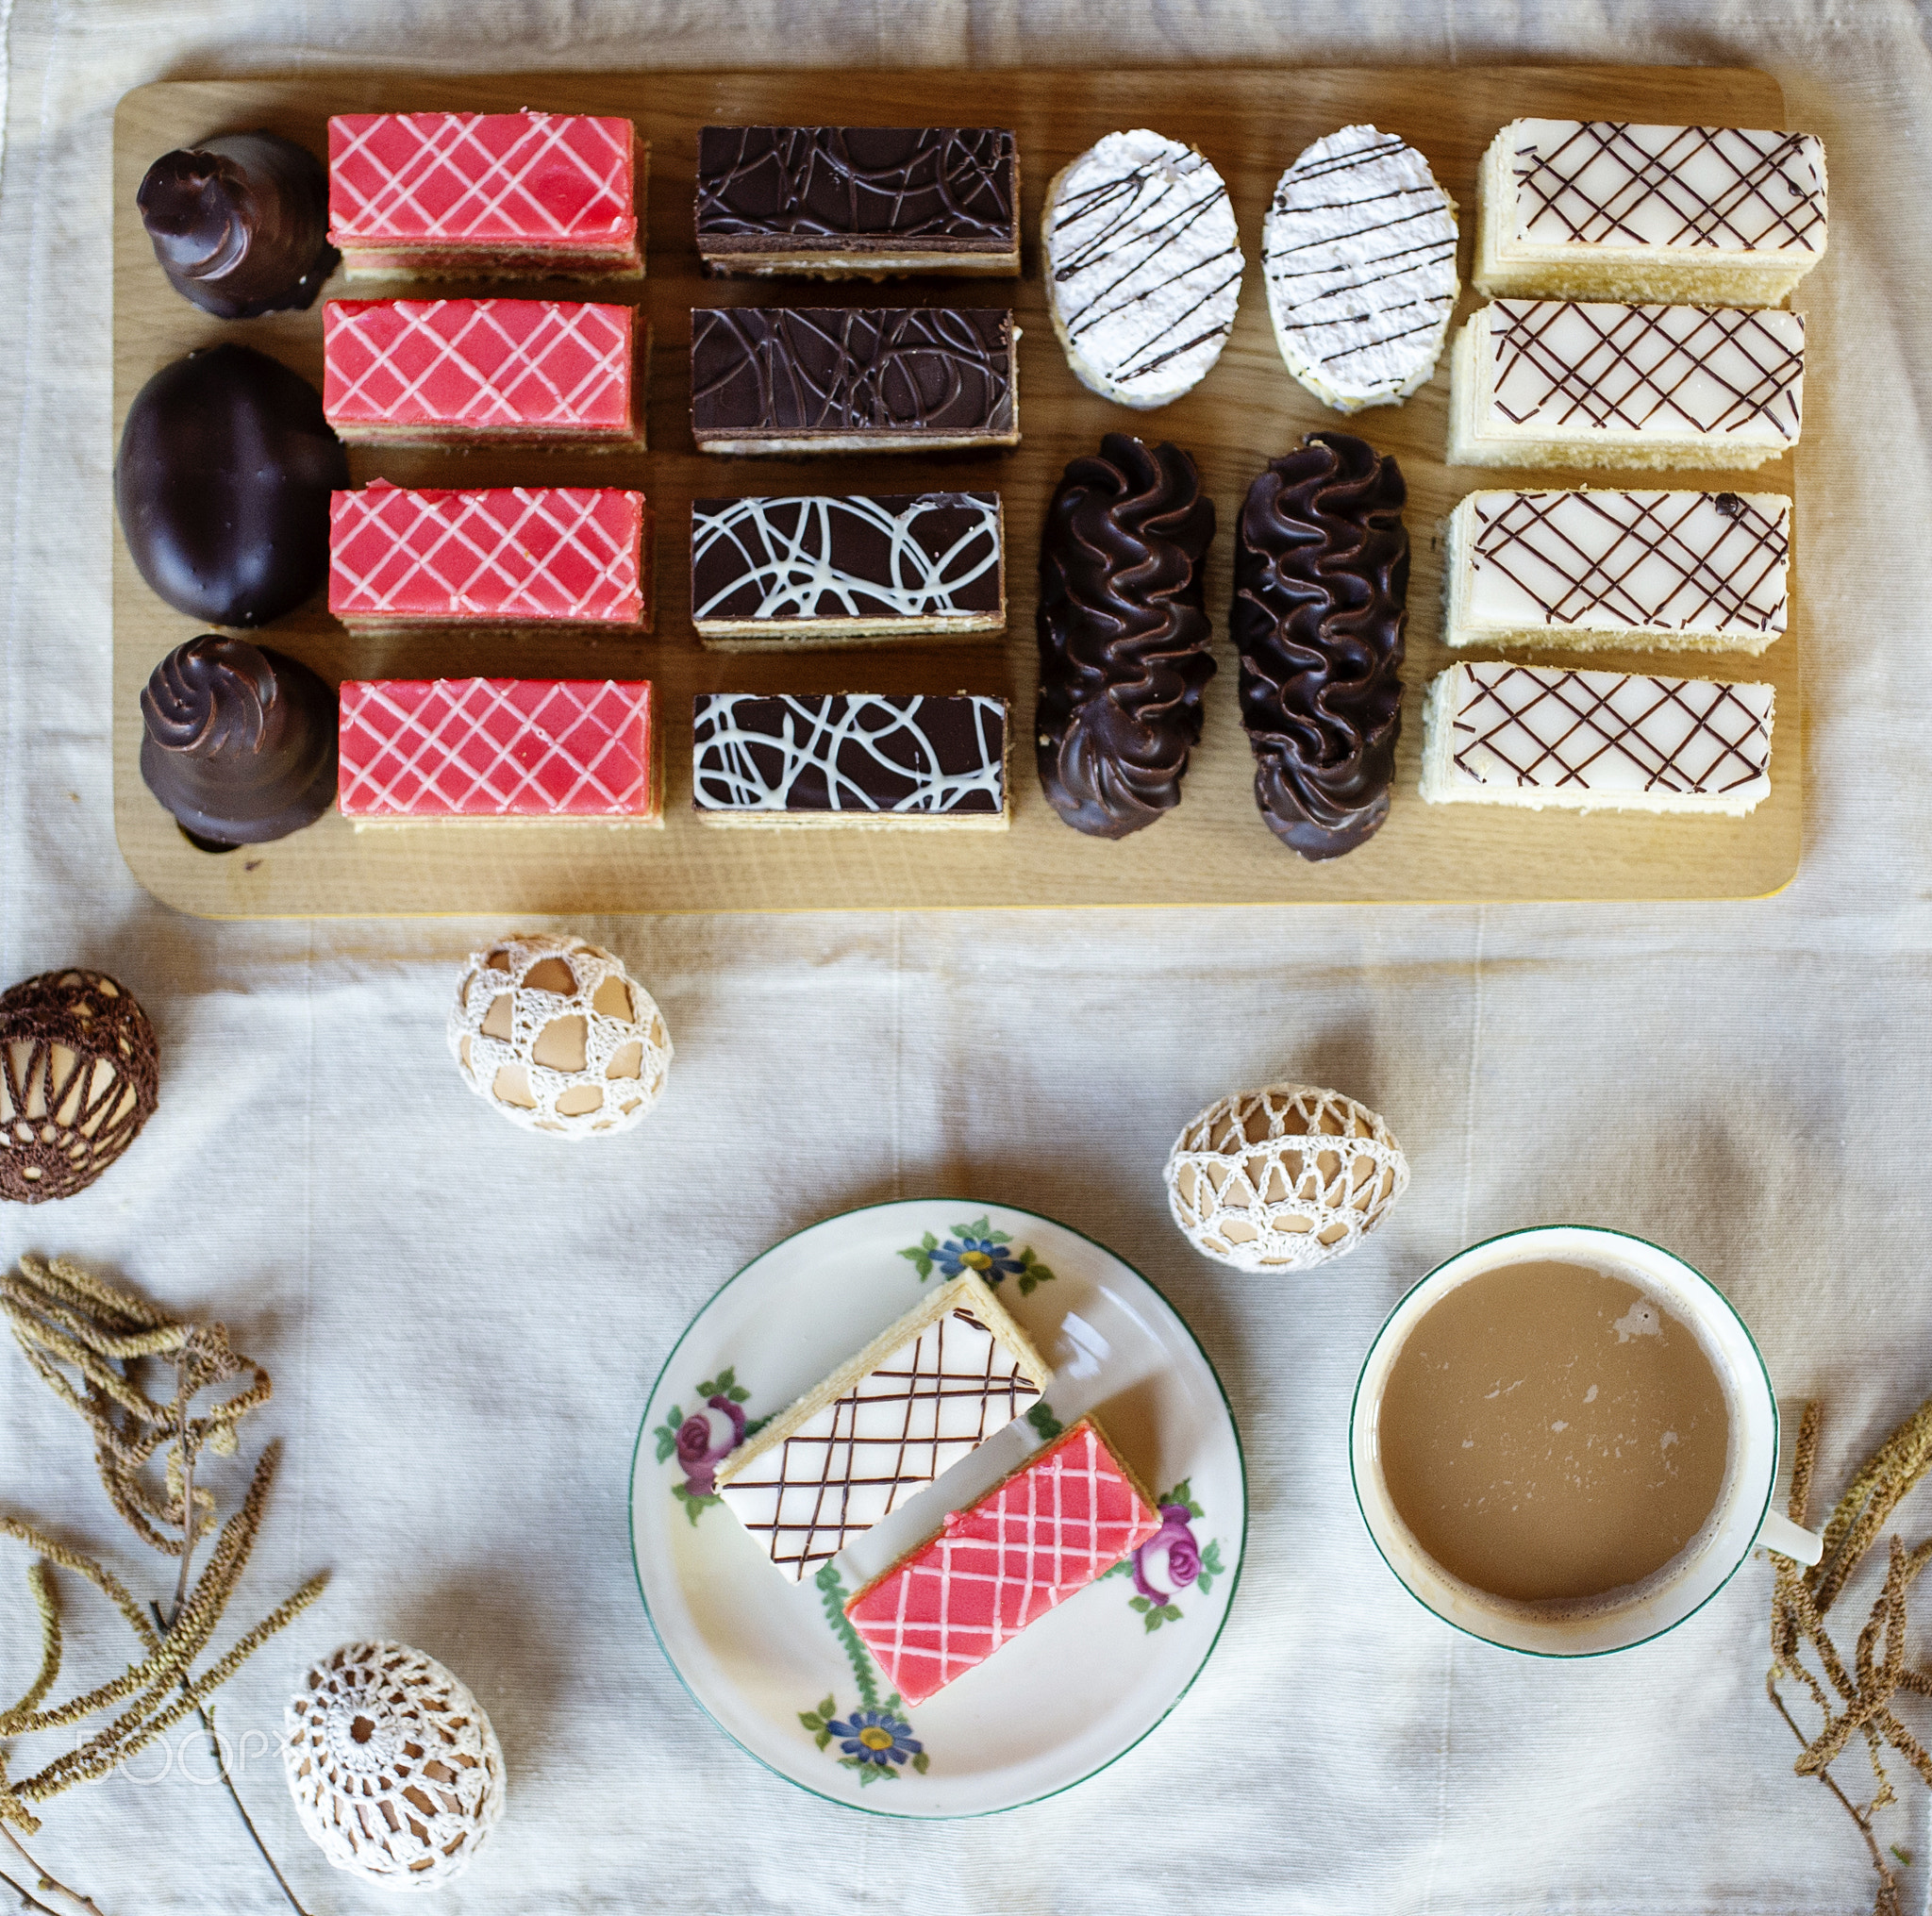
x,y
241,742
1321,599
241,224
1123,634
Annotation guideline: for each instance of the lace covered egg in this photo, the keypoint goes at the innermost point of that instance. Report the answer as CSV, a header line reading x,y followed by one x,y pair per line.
x,y
554,1034
1283,1178
395,1771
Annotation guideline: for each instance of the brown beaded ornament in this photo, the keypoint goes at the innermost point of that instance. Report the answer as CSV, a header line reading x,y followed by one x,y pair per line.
x,y
80,1076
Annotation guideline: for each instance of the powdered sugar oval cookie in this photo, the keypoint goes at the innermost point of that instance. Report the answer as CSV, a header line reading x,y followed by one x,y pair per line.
x,y
1143,267
1358,255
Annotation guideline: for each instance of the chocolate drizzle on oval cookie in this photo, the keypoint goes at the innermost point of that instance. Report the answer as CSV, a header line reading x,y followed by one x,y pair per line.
x,y
240,741
1320,600
240,224
1123,634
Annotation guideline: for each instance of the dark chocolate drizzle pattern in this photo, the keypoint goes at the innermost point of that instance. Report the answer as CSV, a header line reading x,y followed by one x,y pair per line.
x,y
1320,601
1119,232
1664,565
1529,725
1643,365
1596,183
865,186
240,743
786,370
1123,634
240,224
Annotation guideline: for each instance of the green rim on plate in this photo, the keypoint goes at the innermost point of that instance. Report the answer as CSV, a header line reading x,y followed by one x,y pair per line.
x,y
1234,1575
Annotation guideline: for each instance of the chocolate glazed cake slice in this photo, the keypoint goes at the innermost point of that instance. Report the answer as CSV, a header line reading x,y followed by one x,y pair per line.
x,y
1123,634
1321,598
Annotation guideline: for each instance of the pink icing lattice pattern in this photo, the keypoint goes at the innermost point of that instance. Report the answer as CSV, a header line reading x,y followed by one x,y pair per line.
x,y
1043,1535
546,552
495,748
478,364
527,178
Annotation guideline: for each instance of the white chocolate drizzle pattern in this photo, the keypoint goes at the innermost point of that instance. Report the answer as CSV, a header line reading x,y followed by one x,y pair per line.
x,y
1358,252
857,752
783,552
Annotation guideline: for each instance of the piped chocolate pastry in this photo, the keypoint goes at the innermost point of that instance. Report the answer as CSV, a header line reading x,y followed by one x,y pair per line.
x,y
240,741
222,484
1123,634
839,201
241,224
1320,573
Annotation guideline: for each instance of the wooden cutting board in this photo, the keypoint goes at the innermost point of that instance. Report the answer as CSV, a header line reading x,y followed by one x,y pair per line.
x,y
1214,849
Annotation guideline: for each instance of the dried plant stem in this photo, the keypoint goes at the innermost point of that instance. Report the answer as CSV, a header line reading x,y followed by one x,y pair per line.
x,y
205,1712
43,1889
1855,1700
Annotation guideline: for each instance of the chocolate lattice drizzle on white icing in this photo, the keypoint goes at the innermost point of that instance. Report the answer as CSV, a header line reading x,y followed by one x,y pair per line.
x,y
928,1404
780,558
1360,256
1143,257
1713,370
859,752
1607,183
1665,561
1608,731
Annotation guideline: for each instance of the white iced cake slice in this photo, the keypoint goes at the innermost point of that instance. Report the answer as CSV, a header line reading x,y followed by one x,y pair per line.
x,y
925,1392
1359,255
1598,208
1706,572
1564,383
1537,735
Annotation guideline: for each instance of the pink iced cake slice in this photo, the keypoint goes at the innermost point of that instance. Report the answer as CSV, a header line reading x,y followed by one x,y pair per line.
x,y
1068,1515
463,372
523,751
489,194
509,555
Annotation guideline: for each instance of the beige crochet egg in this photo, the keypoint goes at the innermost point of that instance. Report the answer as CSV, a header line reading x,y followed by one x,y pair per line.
x,y
394,1769
558,1037
1283,1178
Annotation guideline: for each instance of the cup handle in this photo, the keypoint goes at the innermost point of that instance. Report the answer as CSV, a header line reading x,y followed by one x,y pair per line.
x,y
1803,1547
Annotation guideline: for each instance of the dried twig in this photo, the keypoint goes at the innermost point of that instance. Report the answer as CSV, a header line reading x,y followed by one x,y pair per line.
x,y
1855,1700
87,1338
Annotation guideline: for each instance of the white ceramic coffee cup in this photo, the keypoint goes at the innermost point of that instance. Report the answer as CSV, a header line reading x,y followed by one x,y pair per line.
x,y
1742,1517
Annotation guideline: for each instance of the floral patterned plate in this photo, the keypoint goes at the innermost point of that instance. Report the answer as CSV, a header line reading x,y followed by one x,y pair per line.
x,y
776,1663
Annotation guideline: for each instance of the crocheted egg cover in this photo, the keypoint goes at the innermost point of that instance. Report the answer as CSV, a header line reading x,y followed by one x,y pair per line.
x,y
394,1769
79,1076
554,1034
1283,1178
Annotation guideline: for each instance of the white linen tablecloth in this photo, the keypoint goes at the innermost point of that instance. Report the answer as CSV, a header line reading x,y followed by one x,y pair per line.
x,y
463,1321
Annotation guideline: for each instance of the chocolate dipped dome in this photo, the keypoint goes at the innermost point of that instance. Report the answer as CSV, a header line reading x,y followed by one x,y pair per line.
x,y
1122,634
240,224
222,484
240,741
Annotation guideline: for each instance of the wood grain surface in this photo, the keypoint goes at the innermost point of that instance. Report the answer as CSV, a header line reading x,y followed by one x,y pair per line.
x,y
1214,849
